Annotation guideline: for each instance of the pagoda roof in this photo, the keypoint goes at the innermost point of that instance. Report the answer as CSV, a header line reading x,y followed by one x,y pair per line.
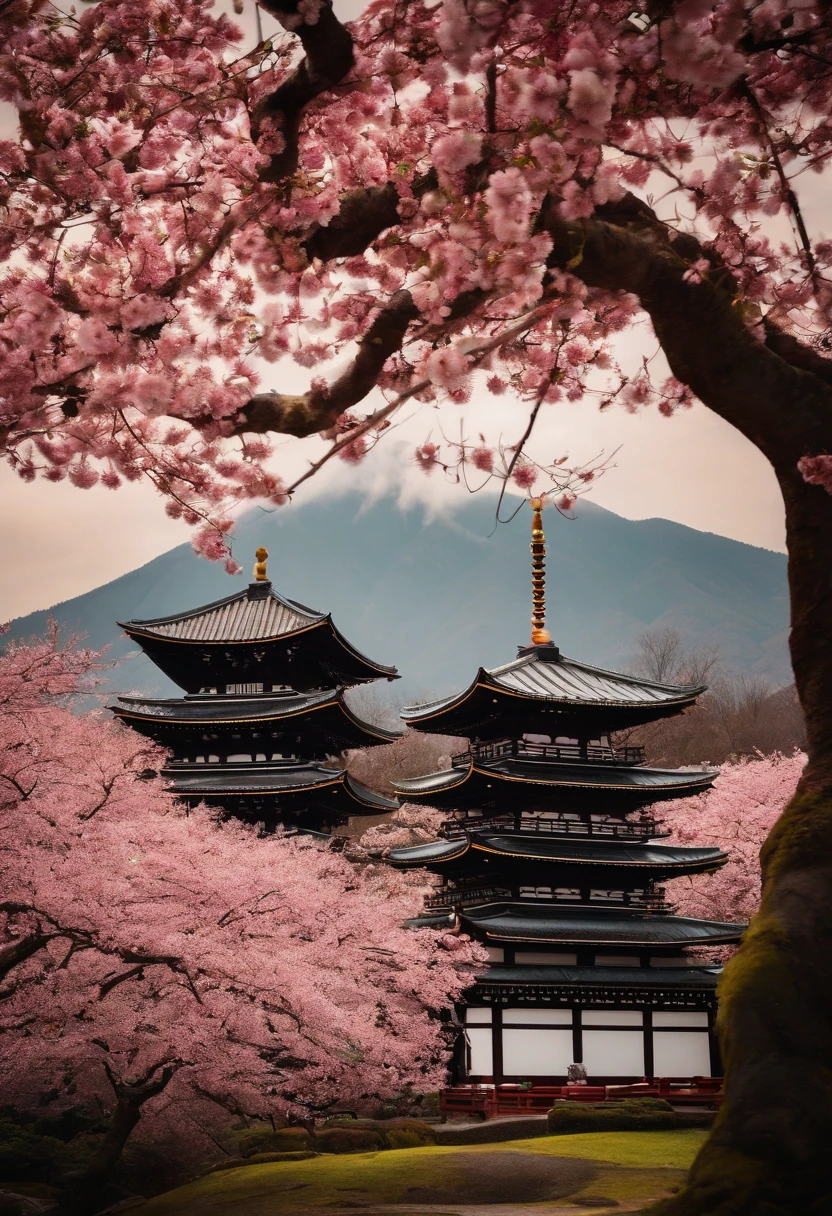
x,y
535,922
295,780
251,619
664,859
327,708
541,676
241,617
487,779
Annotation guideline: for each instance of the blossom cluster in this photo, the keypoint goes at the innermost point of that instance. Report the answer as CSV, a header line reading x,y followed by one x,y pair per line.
x,y
736,816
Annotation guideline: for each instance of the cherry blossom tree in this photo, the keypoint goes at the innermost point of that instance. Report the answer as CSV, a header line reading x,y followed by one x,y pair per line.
x,y
439,195
736,815
167,966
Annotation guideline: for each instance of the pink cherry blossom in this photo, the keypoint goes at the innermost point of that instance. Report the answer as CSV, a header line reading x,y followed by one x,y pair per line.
x,y
171,236
590,97
736,816
447,367
456,151
265,976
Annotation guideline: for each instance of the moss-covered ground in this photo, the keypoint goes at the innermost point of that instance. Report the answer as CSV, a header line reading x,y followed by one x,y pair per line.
x,y
594,1171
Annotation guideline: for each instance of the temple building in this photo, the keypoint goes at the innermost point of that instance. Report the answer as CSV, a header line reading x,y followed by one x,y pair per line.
x,y
264,718
549,859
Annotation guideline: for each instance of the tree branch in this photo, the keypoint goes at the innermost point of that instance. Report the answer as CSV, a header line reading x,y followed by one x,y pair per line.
x,y
19,951
328,58
785,184
477,352
737,376
318,409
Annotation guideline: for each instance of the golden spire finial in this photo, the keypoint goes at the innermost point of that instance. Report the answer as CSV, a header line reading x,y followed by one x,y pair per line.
x,y
540,634
260,575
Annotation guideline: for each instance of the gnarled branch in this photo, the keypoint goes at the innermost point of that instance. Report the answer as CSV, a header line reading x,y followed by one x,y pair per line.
x,y
316,410
328,58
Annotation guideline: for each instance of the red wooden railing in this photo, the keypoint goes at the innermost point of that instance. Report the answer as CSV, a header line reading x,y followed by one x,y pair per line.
x,y
490,1101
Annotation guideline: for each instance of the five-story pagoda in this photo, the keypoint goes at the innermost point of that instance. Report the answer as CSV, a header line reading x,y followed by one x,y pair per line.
x,y
550,861
264,710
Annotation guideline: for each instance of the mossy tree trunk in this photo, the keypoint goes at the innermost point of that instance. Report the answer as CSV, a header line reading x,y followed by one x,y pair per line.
x,y
770,1153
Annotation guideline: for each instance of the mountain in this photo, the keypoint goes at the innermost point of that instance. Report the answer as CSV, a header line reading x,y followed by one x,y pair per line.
x,y
438,596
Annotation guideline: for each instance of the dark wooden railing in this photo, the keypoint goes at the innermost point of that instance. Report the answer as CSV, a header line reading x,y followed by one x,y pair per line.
x,y
556,825
448,898
573,753
653,902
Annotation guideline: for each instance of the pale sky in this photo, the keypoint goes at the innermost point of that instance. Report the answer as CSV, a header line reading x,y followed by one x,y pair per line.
x,y
693,468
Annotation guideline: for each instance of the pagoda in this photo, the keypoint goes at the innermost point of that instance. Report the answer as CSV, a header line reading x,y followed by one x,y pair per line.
x,y
263,718
549,859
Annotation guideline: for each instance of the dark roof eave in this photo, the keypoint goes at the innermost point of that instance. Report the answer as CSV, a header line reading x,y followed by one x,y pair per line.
x,y
327,700
665,858
600,977
697,781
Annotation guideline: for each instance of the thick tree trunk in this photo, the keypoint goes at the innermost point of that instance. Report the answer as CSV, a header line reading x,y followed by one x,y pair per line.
x,y
769,1152
83,1197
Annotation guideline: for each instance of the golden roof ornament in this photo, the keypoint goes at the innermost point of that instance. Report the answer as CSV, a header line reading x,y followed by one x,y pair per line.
x,y
540,634
260,575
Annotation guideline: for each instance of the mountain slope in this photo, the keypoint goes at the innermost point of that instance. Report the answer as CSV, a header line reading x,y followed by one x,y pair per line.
x,y
438,597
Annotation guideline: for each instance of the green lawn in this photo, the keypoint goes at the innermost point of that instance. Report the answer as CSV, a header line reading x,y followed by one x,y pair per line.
x,y
668,1150
593,1166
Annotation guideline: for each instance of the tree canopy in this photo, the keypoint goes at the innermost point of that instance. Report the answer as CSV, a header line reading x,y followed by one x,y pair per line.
x,y
427,192
154,956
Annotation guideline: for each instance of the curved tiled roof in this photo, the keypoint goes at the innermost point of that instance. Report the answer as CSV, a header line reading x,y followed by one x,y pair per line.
x,y
585,776
237,618
559,925
432,851
542,673
260,707
251,636
236,780
665,858
220,708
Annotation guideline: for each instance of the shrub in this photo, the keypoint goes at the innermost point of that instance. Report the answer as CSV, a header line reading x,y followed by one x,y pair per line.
x,y
429,1104
630,1114
284,1140
403,1133
408,1133
402,1138
348,1140
28,1153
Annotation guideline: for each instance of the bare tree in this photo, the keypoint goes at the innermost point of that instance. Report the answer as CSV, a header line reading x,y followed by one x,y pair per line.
x,y
739,715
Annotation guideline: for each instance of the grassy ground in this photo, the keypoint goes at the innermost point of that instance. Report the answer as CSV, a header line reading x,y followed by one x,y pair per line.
x,y
592,1170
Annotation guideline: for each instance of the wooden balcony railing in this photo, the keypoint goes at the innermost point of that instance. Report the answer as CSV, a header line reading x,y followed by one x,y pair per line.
x,y
556,825
653,902
571,753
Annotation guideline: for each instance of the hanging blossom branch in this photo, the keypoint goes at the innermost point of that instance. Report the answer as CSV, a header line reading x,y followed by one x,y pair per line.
x,y
473,352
